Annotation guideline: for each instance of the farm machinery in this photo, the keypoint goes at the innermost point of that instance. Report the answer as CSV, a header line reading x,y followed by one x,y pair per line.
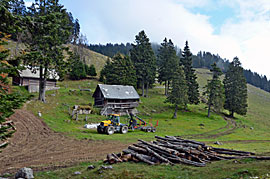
x,y
112,124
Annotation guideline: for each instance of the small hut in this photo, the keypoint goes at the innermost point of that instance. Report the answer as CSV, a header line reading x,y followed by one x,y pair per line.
x,y
31,80
117,99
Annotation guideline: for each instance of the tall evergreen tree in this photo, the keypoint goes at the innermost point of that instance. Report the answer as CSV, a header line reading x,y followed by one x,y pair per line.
x,y
144,61
178,94
120,71
8,101
235,89
92,70
48,29
193,87
215,90
168,62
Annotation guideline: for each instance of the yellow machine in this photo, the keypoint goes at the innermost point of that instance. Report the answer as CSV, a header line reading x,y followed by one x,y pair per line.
x,y
111,125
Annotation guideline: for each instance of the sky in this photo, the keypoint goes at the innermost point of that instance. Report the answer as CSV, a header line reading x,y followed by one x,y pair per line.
x,y
228,28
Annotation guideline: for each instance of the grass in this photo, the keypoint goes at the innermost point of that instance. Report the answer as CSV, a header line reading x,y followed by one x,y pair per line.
x,y
251,134
246,168
91,57
56,114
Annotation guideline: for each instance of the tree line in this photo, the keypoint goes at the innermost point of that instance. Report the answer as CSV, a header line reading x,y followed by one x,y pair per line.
x,y
142,68
201,60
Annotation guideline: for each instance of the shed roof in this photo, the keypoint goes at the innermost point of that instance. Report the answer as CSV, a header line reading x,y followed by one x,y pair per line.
x,y
117,92
28,73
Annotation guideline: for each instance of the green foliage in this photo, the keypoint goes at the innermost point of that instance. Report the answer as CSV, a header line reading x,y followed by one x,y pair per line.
x,y
193,87
8,100
119,72
48,29
144,61
92,71
178,94
78,68
215,90
235,89
168,63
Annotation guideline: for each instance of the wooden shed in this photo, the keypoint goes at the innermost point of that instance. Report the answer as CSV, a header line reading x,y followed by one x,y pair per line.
x,y
116,99
31,80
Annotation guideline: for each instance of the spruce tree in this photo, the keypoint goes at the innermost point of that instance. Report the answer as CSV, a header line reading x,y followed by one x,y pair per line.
x,y
120,71
8,100
92,70
235,89
193,87
168,62
144,60
48,30
215,90
178,94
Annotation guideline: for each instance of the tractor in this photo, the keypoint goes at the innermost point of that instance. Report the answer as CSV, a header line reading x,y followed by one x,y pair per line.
x,y
112,124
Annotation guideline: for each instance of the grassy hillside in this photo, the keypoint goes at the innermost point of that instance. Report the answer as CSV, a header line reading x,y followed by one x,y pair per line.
x,y
91,57
250,132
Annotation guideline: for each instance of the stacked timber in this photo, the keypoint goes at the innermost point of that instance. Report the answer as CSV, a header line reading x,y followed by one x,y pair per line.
x,y
172,150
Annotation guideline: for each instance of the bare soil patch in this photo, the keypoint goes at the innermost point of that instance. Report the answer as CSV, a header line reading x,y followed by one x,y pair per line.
x,y
35,145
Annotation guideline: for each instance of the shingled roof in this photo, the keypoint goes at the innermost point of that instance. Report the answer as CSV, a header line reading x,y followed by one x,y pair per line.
x,y
28,73
117,92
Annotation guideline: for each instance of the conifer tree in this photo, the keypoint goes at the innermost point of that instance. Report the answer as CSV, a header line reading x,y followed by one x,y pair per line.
x,y
235,89
144,60
48,29
193,87
92,70
178,94
120,71
168,62
8,101
215,90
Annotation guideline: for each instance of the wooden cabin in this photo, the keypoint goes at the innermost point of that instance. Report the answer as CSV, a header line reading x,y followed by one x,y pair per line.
x,y
31,80
116,99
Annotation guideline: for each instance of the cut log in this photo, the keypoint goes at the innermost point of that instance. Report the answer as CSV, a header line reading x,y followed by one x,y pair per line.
x,y
171,151
137,149
139,157
230,150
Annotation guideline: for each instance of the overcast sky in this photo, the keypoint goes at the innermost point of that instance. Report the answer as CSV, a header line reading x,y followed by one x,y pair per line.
x,y
226,27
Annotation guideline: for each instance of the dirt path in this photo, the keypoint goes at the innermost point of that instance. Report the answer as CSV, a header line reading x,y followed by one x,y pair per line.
x,y
230,127
36,145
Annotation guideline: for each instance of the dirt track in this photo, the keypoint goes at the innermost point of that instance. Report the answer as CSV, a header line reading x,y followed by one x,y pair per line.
x,y
36,145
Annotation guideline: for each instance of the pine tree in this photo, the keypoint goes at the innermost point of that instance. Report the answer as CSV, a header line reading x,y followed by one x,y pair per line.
x,y
120,71
92,70
193,87
8,101
215,90
168,63
144,60
235,89
78,68
48,29
178,94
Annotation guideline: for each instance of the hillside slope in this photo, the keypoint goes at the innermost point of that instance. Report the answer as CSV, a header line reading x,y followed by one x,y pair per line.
x,y
253,126
91,57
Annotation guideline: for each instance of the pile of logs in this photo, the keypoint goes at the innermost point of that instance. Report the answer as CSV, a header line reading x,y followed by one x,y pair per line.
x,y
175,150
